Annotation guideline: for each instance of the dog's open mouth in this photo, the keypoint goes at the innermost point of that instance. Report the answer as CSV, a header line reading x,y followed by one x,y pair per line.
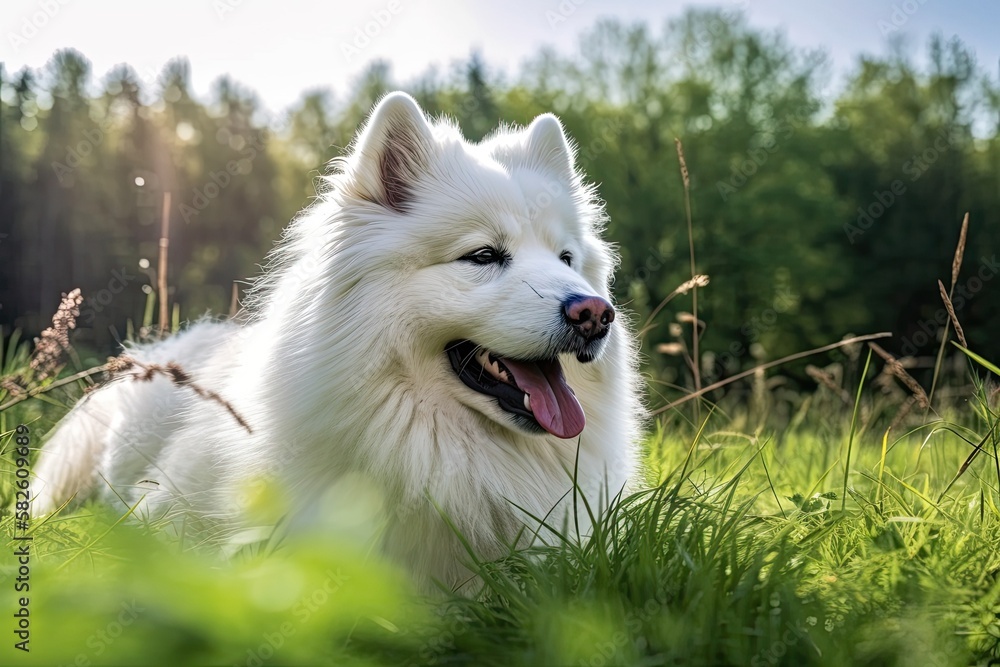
x,y
533,389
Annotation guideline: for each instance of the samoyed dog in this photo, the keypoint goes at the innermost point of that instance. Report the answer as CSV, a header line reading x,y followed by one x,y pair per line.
x,y
437,323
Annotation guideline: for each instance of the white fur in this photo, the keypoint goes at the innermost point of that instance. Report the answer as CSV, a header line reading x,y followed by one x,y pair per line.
x,y
339,369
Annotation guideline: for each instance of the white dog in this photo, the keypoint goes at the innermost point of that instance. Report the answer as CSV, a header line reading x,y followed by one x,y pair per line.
x,y
437,324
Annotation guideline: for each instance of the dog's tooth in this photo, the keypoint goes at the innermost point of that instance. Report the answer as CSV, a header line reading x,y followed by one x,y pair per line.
x,y
489,362
527,403
484,360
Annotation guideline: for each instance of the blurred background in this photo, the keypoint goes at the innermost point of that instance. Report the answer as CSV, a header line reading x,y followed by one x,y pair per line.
x,y
833,151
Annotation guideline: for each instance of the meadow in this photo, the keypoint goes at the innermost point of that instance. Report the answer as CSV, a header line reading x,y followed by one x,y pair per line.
x,y
803,505
851,525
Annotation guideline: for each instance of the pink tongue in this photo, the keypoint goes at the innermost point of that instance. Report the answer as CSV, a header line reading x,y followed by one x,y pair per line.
x,y
552,401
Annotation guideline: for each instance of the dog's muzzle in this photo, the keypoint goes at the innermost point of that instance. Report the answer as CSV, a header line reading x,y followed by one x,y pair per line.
x,y
535,391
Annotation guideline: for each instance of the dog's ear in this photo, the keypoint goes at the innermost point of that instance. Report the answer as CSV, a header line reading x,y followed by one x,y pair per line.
x,y
391,152
548,147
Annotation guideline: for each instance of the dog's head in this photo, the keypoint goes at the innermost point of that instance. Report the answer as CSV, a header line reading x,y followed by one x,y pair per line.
x,y
487,256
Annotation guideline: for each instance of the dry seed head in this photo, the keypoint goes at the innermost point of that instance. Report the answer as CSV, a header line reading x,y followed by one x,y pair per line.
x,y
684,168
699,280
50,346
818,374
951,313
897,369
827,380
956,263
12,384
118,364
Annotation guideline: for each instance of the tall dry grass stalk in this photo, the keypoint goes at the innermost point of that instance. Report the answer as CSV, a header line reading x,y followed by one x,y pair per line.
x,y
161,272
899,371
45,388
956,267
125,366
764,367
683,288
828,381
950,307
234,301
686,179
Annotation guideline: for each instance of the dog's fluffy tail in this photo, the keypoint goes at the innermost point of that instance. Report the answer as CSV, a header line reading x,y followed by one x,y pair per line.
x,y
67,466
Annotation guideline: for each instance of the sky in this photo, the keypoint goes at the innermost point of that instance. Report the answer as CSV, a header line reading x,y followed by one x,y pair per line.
x,y
280,49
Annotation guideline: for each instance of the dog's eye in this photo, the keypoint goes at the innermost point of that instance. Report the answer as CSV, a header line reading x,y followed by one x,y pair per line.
x,y
567,258
485,255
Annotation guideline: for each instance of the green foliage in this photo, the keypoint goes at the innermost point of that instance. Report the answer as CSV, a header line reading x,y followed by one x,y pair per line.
x,y
120,594
779,173
741,553
782,528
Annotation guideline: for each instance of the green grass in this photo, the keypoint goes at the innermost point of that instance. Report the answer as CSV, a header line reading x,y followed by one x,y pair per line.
x,y
758,545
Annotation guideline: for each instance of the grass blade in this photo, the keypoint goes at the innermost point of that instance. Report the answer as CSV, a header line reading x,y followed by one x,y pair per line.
x,y
854,426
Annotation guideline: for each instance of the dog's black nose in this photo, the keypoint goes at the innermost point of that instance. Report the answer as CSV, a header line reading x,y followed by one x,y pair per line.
x,y
590,316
